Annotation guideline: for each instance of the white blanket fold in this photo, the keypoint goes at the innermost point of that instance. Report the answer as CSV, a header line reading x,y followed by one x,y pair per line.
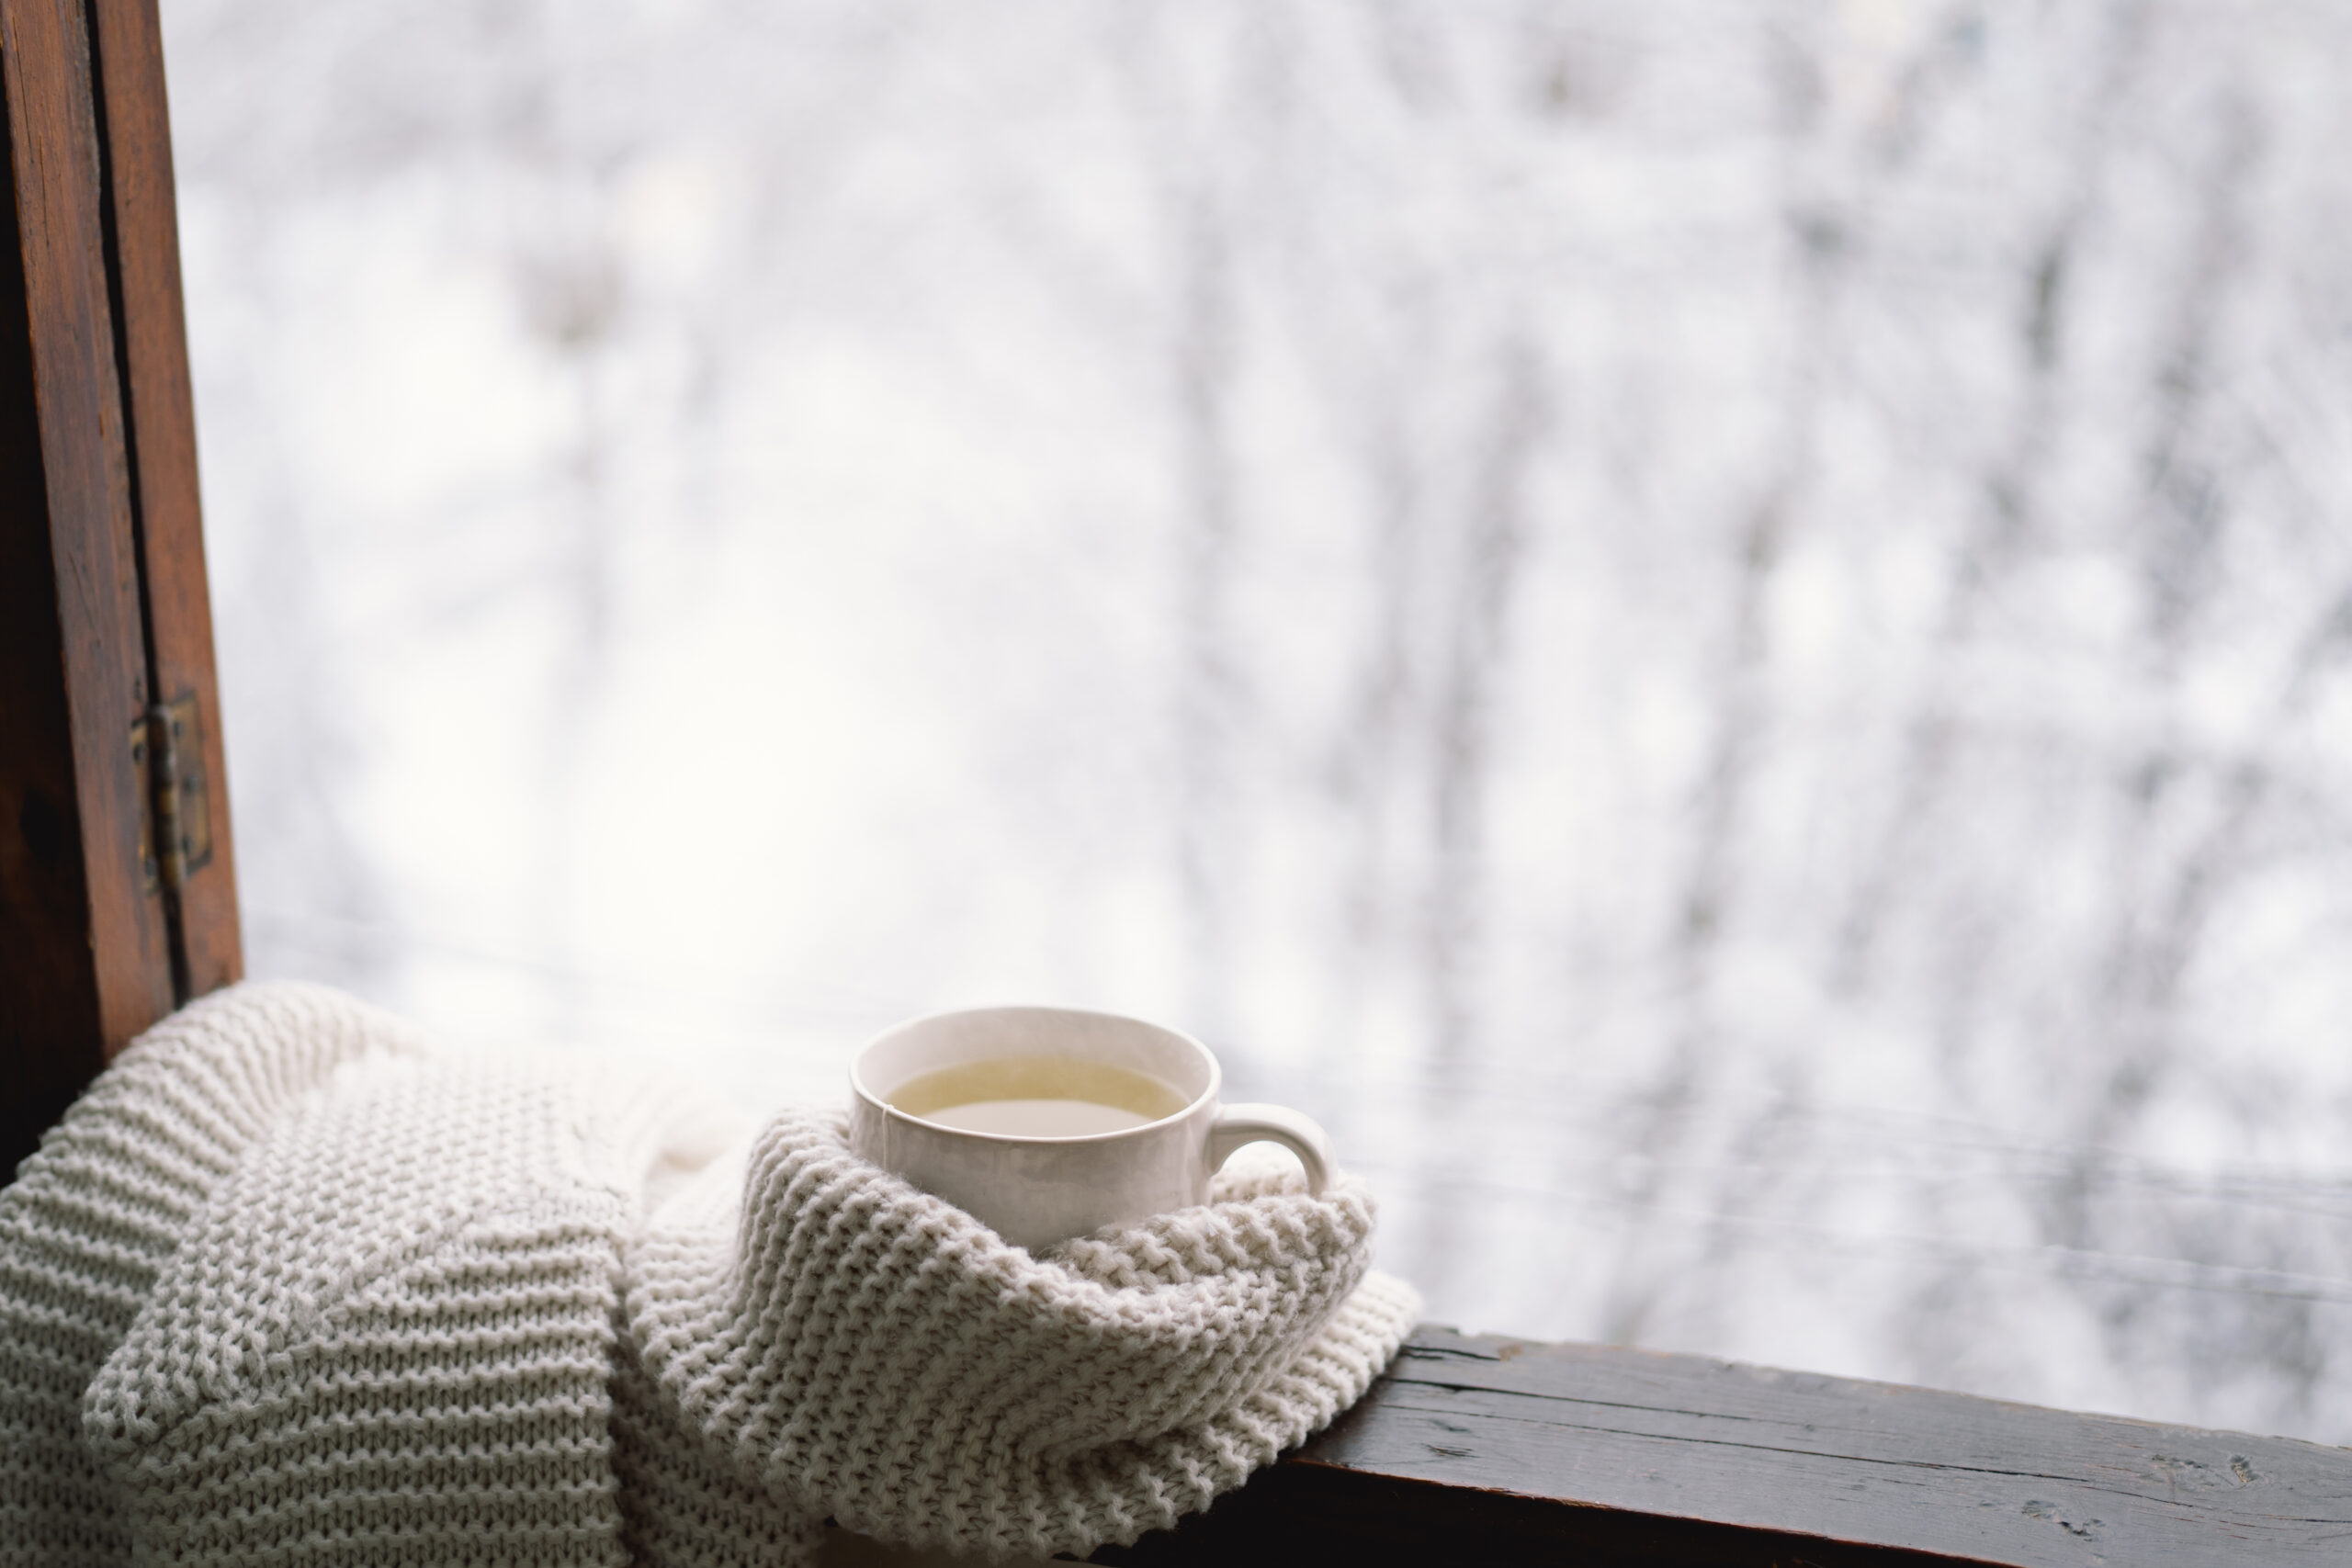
x,y
408,1309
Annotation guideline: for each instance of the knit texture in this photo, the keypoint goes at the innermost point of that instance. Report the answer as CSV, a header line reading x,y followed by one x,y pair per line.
x,y
387,1340
96,1214
857,1348
284,1286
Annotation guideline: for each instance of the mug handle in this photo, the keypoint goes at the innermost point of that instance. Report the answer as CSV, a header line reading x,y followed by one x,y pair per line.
x,y
1238,1124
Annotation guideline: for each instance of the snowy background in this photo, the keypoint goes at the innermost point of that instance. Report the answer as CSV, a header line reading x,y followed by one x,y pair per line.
x,y
1718,631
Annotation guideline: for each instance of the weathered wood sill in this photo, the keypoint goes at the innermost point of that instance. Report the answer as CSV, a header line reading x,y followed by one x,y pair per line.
x,y
1497,1450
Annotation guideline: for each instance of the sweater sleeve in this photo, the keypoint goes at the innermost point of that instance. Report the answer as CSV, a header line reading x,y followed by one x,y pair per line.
x,y
97,1212
386,1339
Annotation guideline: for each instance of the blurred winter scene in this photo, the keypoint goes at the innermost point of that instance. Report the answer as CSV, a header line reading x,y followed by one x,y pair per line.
x,y
1720,632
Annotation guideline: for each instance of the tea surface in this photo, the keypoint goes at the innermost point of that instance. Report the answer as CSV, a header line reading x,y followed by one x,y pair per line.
x,y
1037,1097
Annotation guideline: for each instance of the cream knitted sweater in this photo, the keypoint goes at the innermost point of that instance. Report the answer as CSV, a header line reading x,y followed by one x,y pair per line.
x,y
286,1285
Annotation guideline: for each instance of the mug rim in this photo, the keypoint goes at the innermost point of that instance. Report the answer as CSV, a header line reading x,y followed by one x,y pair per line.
x,y
858,1085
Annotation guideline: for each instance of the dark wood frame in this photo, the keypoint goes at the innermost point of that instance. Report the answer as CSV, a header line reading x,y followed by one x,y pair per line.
x,y
118,901
106,632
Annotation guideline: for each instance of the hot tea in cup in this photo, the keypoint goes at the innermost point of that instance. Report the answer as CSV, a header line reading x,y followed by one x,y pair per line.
x,y
1047,1123
1037,1097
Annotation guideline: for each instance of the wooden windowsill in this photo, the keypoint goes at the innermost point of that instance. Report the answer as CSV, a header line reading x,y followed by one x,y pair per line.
x,y
1480,1449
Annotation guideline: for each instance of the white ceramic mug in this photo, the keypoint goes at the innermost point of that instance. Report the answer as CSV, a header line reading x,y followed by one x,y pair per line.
x,y
1036,1192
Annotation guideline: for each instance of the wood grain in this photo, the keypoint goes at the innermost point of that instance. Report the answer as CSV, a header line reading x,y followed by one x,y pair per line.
x,y
100,943
1629,1456
161,441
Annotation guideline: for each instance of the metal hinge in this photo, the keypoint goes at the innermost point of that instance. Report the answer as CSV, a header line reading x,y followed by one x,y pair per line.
x,y
175,817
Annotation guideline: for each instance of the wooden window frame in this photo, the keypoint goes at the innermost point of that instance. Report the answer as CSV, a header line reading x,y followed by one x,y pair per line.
x,y
117,902
105,626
